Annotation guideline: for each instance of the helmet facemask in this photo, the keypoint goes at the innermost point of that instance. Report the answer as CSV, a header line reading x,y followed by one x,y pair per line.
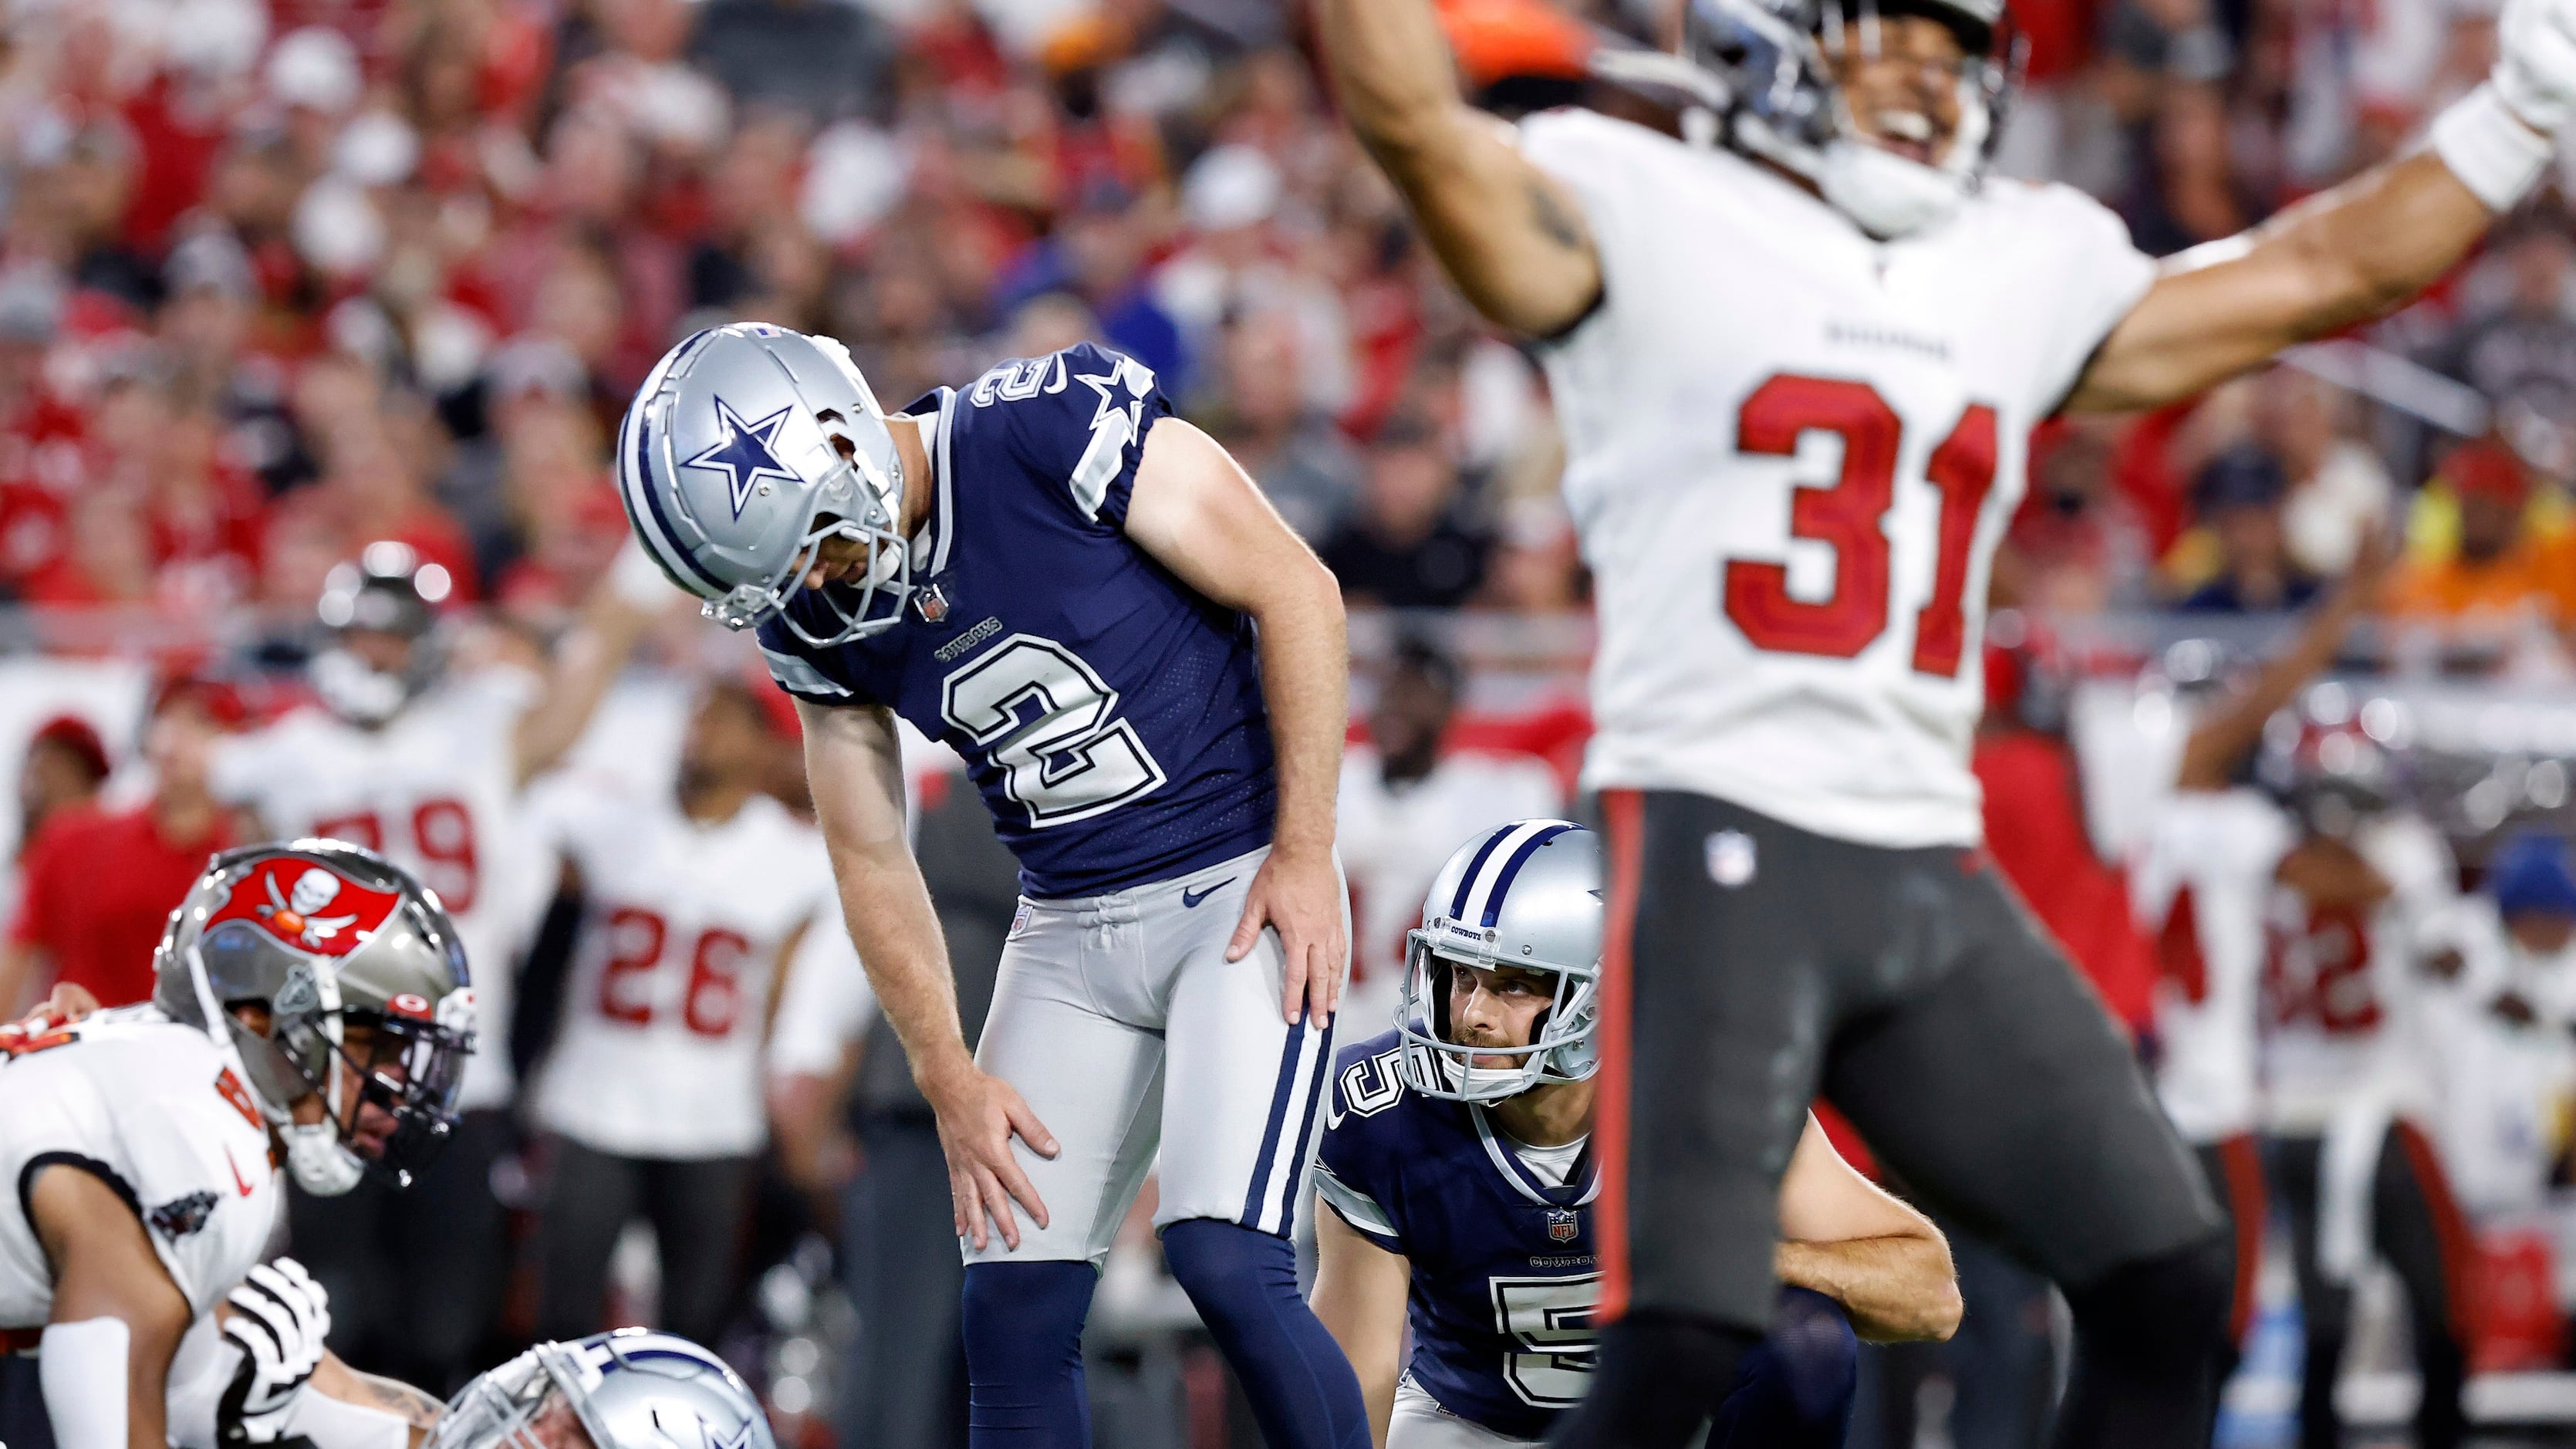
x,y
1782,63
1560,1048
748,452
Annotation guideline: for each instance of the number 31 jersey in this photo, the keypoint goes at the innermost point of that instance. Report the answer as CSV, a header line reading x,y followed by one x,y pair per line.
x,y
1109,713
1791,452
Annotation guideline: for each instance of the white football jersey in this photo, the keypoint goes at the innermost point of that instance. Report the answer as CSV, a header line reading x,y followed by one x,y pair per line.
x,y
436,791
1791,452
2502,1086
2201,881
660,1049
2344,986
1393,842
159,1110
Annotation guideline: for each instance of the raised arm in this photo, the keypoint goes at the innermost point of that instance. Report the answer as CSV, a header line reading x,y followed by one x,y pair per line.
x,y
1506,233
1360,1292
1203,518
855,768
117,1316
2225,734
621,606
2358,250
1885,1263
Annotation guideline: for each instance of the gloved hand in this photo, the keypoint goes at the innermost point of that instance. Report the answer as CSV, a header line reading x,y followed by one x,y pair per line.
x,y
279,1317
2535,71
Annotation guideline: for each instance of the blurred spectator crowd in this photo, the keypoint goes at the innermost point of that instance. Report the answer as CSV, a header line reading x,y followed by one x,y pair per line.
x,y
279,278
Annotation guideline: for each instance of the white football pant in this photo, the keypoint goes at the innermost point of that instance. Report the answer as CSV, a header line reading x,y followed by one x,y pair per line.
x,y
1119,1020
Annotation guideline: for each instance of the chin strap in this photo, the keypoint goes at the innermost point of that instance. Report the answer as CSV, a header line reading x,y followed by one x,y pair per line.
x,y
319,1162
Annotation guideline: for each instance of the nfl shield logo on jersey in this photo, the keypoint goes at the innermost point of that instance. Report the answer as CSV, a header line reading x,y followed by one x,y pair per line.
x,y
1563,1224
1730,858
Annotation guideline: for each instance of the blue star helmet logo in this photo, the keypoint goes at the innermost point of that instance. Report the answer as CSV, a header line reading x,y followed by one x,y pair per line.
x,y
744,455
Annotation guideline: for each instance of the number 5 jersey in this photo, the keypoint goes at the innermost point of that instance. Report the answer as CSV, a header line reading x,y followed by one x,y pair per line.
x,y
1110,714
1498,1237
1791,453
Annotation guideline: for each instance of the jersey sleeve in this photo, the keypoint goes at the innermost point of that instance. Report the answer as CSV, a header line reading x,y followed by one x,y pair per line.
x,y
1354,1166
2092,275
804,672
240,768
1077,420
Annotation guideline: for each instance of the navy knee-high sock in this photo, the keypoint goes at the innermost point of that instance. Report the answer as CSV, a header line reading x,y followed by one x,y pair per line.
x,y
1023,1328
1244,1284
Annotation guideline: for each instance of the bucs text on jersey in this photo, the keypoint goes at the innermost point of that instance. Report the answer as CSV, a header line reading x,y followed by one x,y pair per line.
x,y
1111,716
1791,453
155,1109
435,790
1504,1276
664,1012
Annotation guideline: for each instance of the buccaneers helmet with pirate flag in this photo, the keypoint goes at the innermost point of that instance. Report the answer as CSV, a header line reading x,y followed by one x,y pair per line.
x,y
335,975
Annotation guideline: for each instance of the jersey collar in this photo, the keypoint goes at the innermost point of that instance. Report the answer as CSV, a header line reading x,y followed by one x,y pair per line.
x,y
1581,1185
931,543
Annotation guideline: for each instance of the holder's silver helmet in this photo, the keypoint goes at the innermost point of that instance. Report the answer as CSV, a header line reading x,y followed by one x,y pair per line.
x,y
1524,895
1776,92
630,1389
747,447
327,936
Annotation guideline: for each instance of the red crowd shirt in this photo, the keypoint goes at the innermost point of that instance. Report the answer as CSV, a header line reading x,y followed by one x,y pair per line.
x,y
99,887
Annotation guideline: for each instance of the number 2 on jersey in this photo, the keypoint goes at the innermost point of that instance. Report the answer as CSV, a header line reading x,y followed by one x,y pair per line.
x,y
1851,516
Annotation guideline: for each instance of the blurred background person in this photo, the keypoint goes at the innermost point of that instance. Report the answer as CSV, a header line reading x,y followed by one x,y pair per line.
x,y
100,884
1406,801
697,901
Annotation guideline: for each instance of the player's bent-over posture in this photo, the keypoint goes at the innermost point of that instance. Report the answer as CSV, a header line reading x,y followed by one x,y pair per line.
x,y
1796,371
312,1005
1458,1167
1145,672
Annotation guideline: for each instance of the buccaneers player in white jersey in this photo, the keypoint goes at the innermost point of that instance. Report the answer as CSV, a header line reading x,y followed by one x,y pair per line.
x,y
1796,371
697,898
424,762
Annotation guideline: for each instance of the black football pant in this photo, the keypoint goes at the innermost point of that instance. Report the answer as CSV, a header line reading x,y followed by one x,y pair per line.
x,y
1747,966
416,1275
2418,1229
24,1421
697,1208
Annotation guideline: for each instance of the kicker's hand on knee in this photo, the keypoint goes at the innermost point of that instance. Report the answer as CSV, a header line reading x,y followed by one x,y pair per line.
x,y
978,1115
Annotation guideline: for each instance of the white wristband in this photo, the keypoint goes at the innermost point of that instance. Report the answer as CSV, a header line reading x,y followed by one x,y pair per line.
x,y
637,581
2490,149
82,1372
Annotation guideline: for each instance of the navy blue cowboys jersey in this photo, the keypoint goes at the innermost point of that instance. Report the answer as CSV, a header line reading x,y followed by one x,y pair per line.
x,y
1110,714
1504,1280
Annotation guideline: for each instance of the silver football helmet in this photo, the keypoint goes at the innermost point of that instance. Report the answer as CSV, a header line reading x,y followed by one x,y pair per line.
x,y
630,1389
326,937
1771,61
746,449
1525,895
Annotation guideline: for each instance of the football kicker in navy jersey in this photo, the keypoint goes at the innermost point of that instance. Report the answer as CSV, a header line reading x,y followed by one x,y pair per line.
x,y
1146,674
1110,715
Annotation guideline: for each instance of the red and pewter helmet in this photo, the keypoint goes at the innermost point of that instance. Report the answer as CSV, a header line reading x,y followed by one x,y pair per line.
x,y
327,936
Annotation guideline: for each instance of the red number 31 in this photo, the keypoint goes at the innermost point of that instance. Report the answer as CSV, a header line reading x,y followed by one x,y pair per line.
x,y
1851,515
